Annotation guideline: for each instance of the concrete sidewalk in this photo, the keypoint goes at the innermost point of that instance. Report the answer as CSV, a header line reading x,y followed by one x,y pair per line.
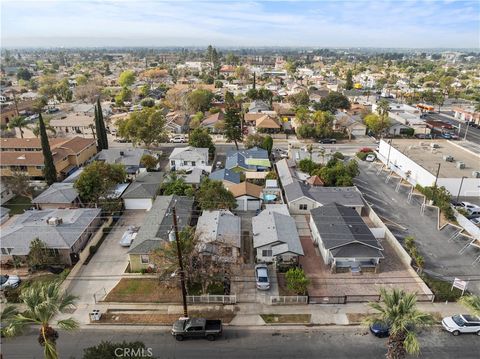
x,y
248,314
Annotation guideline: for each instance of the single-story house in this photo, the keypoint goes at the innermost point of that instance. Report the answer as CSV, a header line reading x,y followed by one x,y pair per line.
x,y
228,177
258,106
156,228
302,198
141,193
65,231
129,157
248,196
192,177
267,122
344,239
275,236
187,158
213,120
58,195
254,159
219,235
177,122
4,214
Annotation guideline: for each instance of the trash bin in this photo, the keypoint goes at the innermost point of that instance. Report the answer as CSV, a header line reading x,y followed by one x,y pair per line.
x,y
95,315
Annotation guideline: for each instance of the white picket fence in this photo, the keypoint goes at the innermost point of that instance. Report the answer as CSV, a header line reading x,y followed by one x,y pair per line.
x,y
290,299
213,299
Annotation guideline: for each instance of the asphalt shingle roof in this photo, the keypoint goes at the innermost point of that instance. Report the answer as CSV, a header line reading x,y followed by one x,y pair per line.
x,y
145,185
341,226
157,224
225,175
57,193
219,226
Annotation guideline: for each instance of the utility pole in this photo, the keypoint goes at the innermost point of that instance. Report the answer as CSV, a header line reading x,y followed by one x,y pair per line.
x,y
466,131
436,177
180,263
460,188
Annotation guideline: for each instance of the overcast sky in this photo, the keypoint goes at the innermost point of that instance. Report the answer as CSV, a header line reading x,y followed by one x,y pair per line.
x,y
372,23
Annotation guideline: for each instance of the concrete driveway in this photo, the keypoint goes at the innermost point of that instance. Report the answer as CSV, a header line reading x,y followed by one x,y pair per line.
x,y
441,254
105,269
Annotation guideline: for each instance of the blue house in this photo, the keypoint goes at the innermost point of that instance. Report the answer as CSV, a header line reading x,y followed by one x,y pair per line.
x,y
252,160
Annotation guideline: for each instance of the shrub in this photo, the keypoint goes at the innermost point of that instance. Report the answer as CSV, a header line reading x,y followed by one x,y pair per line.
x,y
64,274
297,281
362,155
12,295
365,150
338,155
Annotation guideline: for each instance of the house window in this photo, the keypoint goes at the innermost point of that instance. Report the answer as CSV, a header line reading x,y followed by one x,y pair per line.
x,y
303,207
185,163
172,163
193,163
4,251
145,259
266,253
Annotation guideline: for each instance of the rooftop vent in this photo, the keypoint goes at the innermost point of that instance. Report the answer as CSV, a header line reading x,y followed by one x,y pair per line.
x,y
460,165
448,158
54,221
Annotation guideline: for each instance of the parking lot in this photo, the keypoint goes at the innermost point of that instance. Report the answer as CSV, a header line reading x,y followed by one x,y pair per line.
x,y
107,265
441,253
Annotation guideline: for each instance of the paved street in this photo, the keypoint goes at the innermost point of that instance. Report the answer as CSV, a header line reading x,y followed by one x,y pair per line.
x,y
473,134
325,342
404,219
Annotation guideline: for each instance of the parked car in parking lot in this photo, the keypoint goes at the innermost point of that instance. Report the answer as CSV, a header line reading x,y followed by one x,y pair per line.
x,y
261,277
476,221
461,323
9,281
468,205
370,158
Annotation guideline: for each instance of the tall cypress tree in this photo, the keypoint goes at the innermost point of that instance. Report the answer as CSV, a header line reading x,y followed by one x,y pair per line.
x,y
102,140
49,170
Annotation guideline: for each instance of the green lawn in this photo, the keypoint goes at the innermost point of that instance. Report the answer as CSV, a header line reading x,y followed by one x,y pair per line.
x,y
18,205
442,289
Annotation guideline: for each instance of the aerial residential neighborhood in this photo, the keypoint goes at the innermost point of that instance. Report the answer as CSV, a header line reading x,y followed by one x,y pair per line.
x,y
268,179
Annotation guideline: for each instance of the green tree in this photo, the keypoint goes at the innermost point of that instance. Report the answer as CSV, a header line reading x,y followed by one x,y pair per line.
x,y
299,99
43,302
472,303
35,128
398,311
19,184
349,80
24,74
308,166
40,256
302,115
233,125
271,175
147,126
109,350
149,162
199,100
126,78
297,281
175,185
98,179
125,94
375,123
49,170
332,102
147,102
200,138
268,144
254,140
19,122
102,139
323,122
212,195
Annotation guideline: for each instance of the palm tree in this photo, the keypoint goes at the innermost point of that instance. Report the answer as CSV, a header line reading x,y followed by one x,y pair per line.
x,y
36,128
43,302
472,303
18,121
398,311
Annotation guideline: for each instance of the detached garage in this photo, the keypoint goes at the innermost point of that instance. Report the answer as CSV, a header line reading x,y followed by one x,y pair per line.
x,y
141,193
248,196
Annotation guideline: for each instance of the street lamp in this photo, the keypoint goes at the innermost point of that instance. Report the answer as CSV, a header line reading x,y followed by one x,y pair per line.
x,y
460,188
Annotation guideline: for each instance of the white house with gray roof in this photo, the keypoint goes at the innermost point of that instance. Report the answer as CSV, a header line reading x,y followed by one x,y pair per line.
x,y
129,157
344,239
141,193
219,235
188,158
65,231
275,236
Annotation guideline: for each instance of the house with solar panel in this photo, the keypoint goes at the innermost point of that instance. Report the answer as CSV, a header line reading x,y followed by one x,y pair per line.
x,y
254,159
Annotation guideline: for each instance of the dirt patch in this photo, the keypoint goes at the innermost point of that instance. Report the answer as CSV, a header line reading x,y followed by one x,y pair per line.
x,y
156,318
143,290
356,318
286,318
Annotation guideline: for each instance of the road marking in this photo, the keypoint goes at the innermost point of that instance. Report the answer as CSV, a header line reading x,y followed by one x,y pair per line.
x,y
361,181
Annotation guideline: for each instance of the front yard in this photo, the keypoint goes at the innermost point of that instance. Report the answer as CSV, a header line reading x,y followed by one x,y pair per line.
x,y
143,290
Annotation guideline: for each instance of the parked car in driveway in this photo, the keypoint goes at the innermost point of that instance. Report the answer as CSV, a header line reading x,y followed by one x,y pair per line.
x,y
462,323
261,277
9,281
178,139
370,158
128,236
